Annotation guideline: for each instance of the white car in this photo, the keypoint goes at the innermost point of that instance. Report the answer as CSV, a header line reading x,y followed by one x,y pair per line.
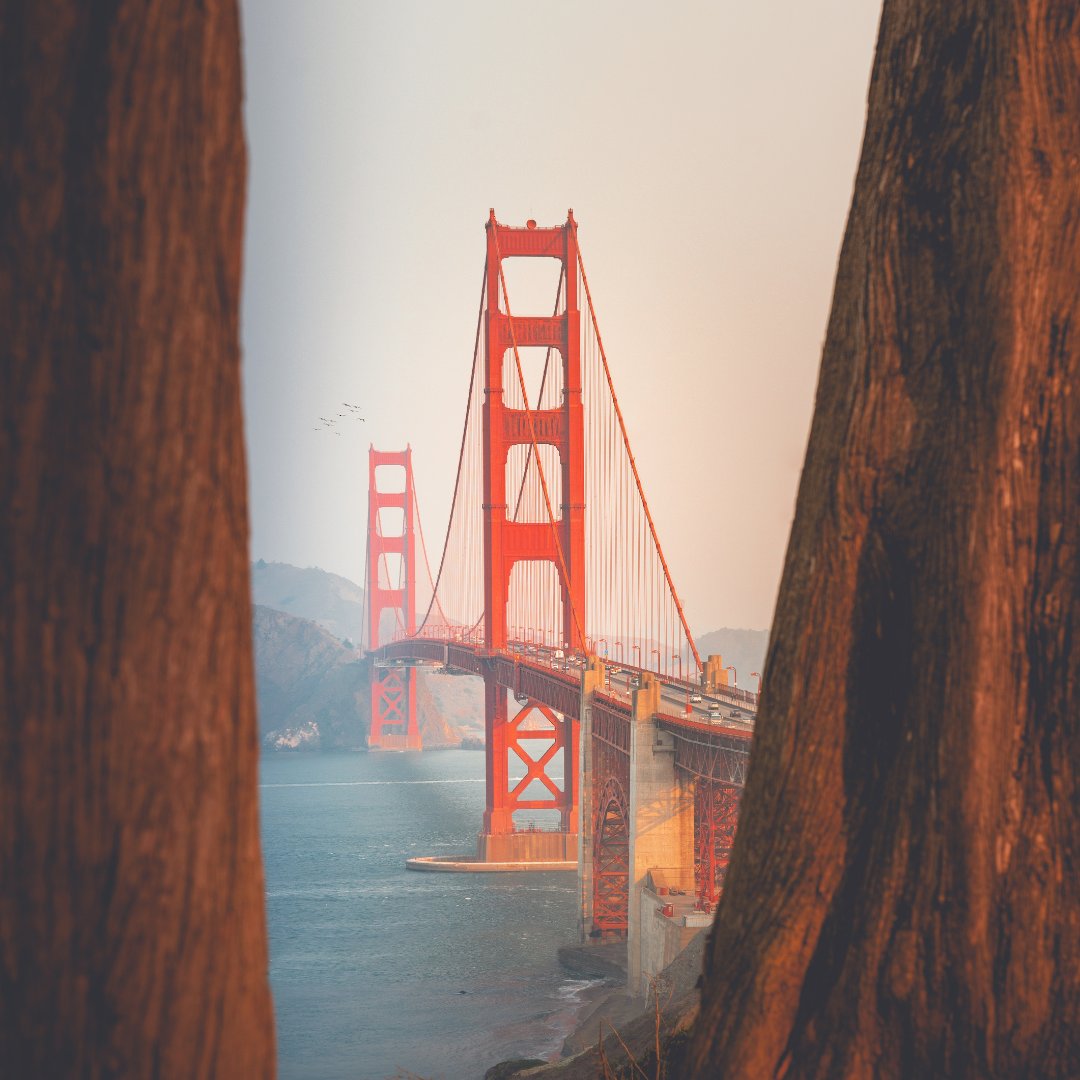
x,y
695,699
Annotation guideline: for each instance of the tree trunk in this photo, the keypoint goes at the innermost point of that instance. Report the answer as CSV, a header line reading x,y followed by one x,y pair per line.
x,y
904,898
132,931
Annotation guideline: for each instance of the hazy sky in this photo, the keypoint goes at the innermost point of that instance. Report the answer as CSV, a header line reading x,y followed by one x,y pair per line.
x,y
708,151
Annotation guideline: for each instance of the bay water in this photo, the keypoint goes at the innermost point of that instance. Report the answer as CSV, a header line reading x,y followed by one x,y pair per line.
x,y
378,971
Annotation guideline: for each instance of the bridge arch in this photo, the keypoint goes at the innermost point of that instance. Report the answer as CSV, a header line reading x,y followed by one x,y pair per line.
x,y
611,861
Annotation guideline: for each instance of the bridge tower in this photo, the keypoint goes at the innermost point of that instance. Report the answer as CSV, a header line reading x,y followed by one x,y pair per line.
x,y
507,542
393,688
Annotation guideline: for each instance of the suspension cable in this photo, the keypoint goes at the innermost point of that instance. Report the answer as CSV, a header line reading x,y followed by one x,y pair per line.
x,y
633,464
461,453
367,589
423,549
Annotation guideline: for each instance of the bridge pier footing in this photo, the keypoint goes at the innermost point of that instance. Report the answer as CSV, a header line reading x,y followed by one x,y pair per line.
x,y
543,847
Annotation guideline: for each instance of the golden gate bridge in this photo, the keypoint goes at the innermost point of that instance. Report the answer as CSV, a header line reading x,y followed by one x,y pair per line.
x,y
552,586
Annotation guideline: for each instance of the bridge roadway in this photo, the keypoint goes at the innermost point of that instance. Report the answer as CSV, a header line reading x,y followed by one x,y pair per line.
x,y
552,678
659,786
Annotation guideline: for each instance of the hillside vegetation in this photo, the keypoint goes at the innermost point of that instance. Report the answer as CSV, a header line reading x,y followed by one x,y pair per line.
x,y
314,693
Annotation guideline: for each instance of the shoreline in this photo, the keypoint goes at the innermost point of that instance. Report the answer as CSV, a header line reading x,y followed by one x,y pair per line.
x,y
605,1006
608,1007
606,1003
581,1002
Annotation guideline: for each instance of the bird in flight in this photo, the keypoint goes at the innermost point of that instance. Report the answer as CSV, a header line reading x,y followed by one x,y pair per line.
x,y
329,423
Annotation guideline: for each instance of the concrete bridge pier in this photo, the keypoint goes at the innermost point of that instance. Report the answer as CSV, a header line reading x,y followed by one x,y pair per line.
x,y
713,673
661,888
660,898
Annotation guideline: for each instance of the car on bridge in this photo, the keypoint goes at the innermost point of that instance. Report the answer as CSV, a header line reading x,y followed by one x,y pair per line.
x,y
695,699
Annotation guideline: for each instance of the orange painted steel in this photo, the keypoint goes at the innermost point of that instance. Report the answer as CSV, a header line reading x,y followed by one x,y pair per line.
x,y
549,426
393,690
610,862
715,764
609,795
712,757
525,573
507,541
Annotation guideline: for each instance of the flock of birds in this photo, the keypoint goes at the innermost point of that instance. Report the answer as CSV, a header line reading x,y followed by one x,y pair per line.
x,y
329,423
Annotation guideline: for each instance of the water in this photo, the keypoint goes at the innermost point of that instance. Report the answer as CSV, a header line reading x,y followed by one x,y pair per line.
x,y
378,971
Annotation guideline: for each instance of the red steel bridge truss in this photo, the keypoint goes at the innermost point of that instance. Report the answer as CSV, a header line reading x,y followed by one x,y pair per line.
x,y
551,552
611,815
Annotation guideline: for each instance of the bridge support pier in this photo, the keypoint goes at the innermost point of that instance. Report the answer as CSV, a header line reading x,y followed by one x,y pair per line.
x,y
509,541
393,690
534,736
393,710
713,673
661,844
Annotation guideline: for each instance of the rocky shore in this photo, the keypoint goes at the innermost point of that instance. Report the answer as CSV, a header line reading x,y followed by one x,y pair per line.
x,y
614,1027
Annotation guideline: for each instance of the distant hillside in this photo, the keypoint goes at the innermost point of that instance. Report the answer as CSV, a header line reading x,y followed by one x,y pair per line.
x,y
334,602
315,694
449,707
457,700
745,649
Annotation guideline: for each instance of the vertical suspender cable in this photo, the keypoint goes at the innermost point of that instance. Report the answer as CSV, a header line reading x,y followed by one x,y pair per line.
x,y
461,452
633,464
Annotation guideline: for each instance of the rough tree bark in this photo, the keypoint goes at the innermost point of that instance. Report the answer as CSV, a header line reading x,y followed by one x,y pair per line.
x,y
132,931
904,898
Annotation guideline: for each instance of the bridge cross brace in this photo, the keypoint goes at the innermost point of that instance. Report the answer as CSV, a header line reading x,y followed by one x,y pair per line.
x,y
536,768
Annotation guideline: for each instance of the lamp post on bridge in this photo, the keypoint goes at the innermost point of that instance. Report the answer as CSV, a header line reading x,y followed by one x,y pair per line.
x,y
657,652
757,675
618,651
602,641
678,656
734,674
638,647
